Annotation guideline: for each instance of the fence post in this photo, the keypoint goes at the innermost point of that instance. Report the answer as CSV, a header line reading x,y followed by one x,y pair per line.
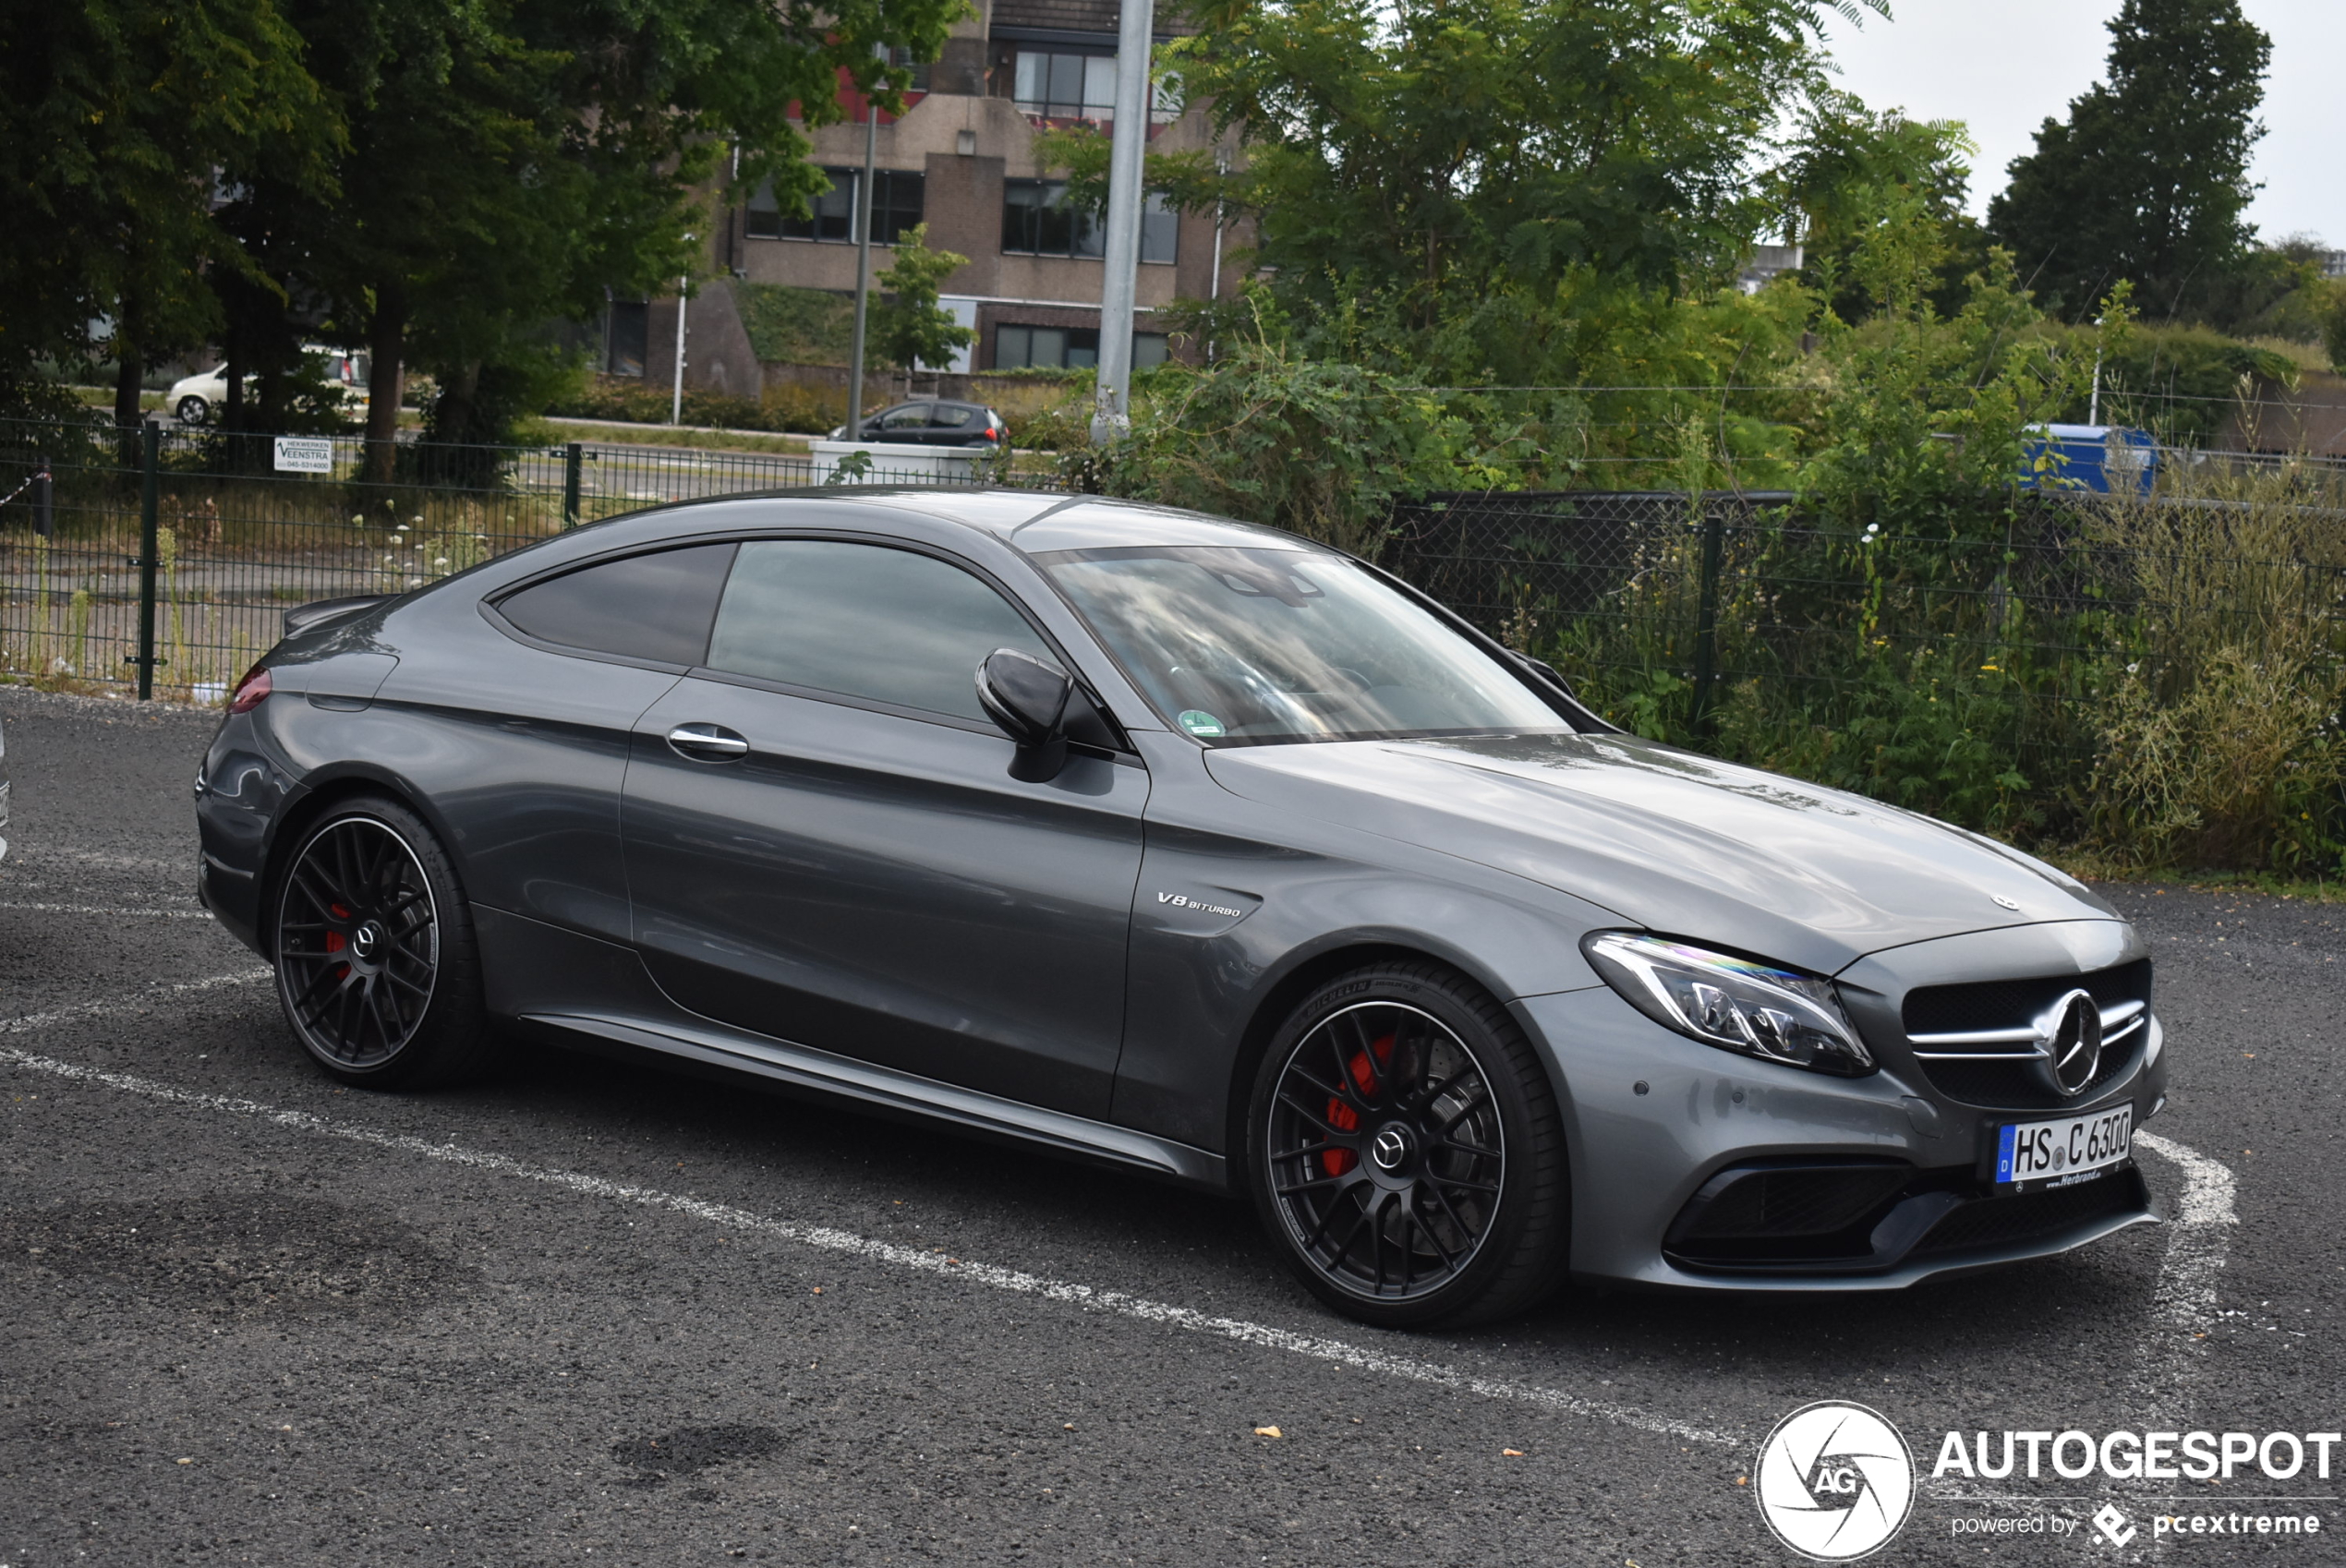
x,y
570,460
1706,624
45,498
150,459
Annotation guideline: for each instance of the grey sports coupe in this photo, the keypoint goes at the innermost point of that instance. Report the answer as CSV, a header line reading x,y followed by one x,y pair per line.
x,y
1191,847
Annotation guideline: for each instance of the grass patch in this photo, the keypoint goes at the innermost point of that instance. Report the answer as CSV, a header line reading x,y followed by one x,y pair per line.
x,y
797,326
553,432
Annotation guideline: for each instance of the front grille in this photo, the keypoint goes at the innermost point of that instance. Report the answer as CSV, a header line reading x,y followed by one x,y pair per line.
x,y
2030,1217
1796,1202
2016,1004
1786,1214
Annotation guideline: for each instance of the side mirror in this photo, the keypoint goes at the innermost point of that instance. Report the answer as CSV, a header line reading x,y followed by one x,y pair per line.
x,y
1028,699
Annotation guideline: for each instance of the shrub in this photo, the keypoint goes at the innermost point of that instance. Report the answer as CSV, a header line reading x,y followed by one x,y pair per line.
x,y
2220,746
1315,446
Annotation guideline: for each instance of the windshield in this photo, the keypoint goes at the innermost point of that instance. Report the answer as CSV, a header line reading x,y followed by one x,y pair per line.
x,y
1258,645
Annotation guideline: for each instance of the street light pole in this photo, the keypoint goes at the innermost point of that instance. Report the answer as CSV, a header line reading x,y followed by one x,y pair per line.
x,y
854,431
676,396
1112,412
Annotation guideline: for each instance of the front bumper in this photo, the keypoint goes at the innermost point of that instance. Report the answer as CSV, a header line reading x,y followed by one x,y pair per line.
x,y
1652,1116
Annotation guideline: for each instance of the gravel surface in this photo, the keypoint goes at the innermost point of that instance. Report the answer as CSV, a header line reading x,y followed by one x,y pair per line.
x,y
597,1312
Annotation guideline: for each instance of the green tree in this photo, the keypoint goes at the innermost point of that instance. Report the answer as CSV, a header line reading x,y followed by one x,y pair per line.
x,y
510,164
2147,178
909,328
1464,184
118,122
1857,171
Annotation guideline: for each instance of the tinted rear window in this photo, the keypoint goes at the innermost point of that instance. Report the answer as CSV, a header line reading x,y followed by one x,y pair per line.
x,y
655,607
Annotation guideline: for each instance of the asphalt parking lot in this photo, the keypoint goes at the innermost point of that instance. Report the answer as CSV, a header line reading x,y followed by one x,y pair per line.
x,y
598,1313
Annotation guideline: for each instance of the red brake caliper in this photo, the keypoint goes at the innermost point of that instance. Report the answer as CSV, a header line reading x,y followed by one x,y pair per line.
x,y
335,941
1336,1161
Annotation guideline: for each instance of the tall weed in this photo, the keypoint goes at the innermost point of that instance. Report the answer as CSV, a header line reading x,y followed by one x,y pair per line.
x,y
2221,744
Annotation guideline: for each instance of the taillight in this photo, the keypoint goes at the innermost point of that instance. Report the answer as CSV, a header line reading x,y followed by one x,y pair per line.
x,y
251,690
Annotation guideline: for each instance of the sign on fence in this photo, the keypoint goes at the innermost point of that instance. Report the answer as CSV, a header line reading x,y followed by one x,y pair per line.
x,y
305,454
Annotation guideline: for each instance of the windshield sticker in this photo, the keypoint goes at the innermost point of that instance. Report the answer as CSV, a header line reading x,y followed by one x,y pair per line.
x,y
1205,726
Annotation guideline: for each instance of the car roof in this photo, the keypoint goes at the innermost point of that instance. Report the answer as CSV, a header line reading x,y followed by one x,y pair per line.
x,y
1036,523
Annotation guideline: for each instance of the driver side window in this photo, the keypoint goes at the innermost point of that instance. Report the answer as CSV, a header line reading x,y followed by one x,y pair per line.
x,y
866,622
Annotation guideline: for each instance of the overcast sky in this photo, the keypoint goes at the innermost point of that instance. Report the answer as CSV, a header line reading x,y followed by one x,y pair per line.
x,y
2002,66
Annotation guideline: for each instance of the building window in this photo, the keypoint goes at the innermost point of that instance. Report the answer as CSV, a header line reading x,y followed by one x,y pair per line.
x,y
1066,87
1074,348
896,199
897,196
1060,86
1036,221
901,55
626,337
1160,228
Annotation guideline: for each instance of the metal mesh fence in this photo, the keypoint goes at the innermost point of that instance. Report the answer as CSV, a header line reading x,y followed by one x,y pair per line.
x,y
1957,674
1989,659
184,547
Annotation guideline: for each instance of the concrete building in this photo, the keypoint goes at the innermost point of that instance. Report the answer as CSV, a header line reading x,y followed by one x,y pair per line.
x,y
960,159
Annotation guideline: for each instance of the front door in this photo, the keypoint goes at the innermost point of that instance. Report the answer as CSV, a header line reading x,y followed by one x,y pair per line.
x,y
824,843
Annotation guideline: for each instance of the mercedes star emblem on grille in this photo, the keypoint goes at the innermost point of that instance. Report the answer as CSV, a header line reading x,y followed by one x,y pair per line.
x,y
2070,1036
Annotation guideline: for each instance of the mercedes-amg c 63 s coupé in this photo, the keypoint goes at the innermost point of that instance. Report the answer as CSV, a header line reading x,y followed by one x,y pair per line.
x,y
1191,847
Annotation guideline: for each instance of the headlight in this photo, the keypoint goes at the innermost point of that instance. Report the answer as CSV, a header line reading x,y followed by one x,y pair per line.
x,y
1732,1003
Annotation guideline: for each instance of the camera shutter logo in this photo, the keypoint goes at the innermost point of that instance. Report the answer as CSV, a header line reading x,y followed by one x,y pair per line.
x,y
1836,1482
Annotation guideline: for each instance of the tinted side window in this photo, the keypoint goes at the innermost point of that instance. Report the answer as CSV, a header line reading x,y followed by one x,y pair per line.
x,y
656,607
864,621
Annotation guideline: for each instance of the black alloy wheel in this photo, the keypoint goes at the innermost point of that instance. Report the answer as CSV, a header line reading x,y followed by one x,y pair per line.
x,y
378,980
1406,1151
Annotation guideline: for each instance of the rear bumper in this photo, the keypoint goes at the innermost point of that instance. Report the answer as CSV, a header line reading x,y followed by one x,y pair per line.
x,y
1652,1117
240,794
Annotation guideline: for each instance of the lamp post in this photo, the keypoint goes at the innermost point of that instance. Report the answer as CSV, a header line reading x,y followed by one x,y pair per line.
x,y
854,431
1112,412
676,388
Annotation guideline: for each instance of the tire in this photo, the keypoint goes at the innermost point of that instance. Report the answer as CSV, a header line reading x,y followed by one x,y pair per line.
x,y
194,411
1406,1152
378,970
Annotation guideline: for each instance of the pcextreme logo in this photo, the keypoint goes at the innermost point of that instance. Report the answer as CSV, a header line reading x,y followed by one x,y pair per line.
x,y
1836,1482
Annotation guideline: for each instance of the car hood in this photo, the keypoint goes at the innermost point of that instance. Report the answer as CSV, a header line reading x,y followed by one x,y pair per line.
x,y
1672,841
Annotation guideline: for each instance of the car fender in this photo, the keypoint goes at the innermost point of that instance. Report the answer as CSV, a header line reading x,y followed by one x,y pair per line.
x,y
1241,909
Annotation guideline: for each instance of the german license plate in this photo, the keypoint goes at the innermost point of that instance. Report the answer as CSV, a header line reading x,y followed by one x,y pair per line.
x,y
2060,1153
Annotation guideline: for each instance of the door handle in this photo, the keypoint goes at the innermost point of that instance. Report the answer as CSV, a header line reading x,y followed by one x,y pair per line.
x,y
708,742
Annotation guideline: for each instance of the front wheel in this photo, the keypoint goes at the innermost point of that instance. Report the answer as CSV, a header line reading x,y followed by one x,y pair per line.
x,y
377,967
194,411
1406,1150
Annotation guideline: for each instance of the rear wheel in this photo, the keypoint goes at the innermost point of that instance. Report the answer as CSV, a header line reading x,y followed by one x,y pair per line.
x,y
1406,1150
377,967
193,410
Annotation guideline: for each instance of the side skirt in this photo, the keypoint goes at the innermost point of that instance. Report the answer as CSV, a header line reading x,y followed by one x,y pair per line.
x,y
576,986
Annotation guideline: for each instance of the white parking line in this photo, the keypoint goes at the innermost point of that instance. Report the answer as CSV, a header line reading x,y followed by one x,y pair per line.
x,y
830,1239
44,854
2185,1295
2198,1236
137,1003
106,909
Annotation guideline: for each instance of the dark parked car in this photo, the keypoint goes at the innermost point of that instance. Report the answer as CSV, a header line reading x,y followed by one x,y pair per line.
x,y
1190,847
936,422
